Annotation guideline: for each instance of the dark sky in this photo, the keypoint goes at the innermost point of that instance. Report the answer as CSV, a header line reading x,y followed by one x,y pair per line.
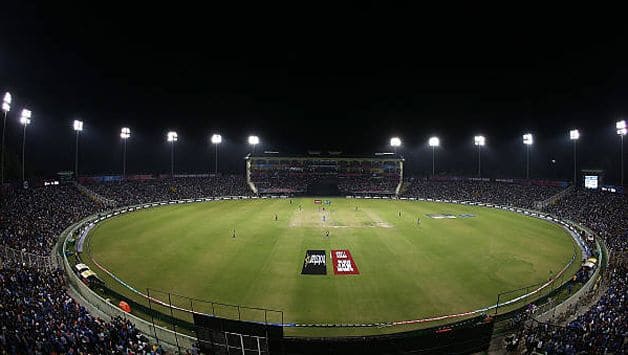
x,y
313,78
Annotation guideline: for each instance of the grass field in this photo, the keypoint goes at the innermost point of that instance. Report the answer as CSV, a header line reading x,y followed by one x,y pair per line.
x,y
407,270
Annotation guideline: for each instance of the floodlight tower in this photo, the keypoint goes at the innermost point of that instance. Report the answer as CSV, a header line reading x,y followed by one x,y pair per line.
x,y
172,139
574,135
25,120
216,140
125,134
528,139
254,141
78,128
479,141
621,131
395,142
433,142
6,107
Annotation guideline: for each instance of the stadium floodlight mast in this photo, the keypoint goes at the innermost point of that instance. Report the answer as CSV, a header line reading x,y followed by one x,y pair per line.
x,y
254,141
125,134
621,131
395,142
479,141
6,107
216,140
172,139
528,140
78,128
433,142
25,120
574,135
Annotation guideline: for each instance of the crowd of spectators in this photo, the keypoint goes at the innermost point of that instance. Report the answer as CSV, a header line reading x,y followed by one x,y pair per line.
x,y
37,316
600,330
368,184
603,328
32,219
127,192
606,213
502,193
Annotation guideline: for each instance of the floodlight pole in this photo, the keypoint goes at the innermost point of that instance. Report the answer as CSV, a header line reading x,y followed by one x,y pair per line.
x,y
23,151
216,161
479,160
172,159
621,153
123,157
575,169
76,154
4,128
527,161
433,150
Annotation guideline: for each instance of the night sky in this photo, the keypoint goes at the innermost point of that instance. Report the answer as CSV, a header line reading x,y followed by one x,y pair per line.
x,y
313,78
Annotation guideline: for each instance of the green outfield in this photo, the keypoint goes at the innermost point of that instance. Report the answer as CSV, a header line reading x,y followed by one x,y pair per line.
x,y
408,269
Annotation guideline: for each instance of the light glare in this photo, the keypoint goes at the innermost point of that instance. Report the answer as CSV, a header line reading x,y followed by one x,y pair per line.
x,y
479,141
6,102
527,139
434,142
574,134
25,117
395,142
78,125
125,133
172,136
621,127
216,138
253,140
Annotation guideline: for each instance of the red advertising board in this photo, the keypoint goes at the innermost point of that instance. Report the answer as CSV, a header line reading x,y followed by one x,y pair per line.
x,y
343,263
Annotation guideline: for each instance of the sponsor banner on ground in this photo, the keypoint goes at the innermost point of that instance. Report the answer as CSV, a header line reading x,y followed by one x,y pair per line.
x,y
343,263
314,263
441,216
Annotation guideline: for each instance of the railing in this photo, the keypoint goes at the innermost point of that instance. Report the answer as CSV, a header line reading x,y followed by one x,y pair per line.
x,y
14,256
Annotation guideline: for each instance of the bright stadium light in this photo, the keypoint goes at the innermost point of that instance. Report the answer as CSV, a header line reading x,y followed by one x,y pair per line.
x,y
254,141
621,131
395,142
574,135
6,102
433,142
78,125
25,119
528,140
172,138
479,141
125,134
216,140
6,107
78,128
621,127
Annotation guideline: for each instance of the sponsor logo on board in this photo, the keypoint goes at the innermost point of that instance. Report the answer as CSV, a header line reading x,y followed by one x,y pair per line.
x,y
314,263
343,263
